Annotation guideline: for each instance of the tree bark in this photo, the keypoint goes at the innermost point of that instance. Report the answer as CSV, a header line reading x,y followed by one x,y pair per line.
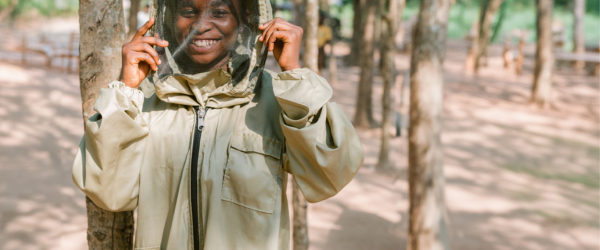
x,y
133,11
486,17
427,212
578,32
300,207
363,116
357,32
102,33
298,15
310,59
311,30
544,55
388,54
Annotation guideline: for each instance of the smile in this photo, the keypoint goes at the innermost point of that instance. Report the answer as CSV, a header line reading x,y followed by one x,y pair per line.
x,y
204,43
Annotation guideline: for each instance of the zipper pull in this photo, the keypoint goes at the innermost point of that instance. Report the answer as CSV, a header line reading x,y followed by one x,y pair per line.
x,y
201,113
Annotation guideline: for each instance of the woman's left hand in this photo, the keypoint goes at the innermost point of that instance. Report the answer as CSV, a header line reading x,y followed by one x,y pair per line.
x,y
284,39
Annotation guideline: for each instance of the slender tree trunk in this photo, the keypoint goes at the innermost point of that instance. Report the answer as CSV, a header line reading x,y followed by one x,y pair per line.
x,y
357,32
133,11
310,59
488,12
300,207
544,55
388,54
298,14
311,32
363,116
378,22
578,31
102,33
427,212
332,58
400,33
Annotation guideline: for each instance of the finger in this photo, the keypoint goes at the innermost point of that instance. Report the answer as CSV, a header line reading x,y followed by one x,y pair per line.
x,y
278,35
276,26
142,31
146,48
151,41
145,57
268,23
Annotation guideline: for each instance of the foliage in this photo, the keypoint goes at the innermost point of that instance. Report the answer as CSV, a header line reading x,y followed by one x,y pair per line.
x,y
41,7
519,15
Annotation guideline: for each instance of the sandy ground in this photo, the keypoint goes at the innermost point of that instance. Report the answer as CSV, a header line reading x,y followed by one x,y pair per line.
x,y
516,177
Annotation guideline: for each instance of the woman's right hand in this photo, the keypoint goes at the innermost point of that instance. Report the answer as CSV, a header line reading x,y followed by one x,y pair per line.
x,y
139,57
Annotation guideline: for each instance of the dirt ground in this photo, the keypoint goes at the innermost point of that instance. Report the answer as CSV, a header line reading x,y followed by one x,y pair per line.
x,y
517,177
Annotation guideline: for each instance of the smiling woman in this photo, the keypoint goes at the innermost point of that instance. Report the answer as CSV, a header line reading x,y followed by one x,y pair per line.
x,y
201,139
205,35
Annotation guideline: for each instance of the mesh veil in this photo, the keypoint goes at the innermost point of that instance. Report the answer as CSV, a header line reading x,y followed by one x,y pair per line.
x,y
209,35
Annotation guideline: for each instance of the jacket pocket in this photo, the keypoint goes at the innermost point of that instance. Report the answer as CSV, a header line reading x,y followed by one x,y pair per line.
x,y
253,173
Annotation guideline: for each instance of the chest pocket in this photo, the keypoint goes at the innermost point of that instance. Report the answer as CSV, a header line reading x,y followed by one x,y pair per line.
x,y
252,177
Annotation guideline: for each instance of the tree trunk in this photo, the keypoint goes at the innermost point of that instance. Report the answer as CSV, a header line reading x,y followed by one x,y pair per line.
x,y
357,32
300,207
388,54
377,37
363,116
427,211
311,32
488,11
298,15
102,33
544,55
133,11
310,59
578,31
400,29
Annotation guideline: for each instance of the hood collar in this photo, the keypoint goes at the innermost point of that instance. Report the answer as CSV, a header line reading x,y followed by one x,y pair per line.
x,y
215,89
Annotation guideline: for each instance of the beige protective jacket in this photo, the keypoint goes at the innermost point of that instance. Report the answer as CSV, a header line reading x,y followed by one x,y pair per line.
x,y
136,154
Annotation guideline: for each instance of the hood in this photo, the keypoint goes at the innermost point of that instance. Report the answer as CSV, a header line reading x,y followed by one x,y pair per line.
x,y
217,88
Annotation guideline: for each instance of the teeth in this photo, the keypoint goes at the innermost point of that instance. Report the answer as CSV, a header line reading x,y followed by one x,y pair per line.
x,y
204,43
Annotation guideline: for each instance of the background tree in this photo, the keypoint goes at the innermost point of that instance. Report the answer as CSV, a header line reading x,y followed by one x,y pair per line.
x,y
102,35
358,7
578,31
544,55
363,117
133,11
298,12
486,17
427,216
310,60
388,73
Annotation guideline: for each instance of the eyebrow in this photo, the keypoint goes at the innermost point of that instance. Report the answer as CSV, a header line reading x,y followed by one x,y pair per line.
x,y
217,3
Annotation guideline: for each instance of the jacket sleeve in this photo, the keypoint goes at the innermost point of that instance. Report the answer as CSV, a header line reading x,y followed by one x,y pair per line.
x,y
323,151
107,166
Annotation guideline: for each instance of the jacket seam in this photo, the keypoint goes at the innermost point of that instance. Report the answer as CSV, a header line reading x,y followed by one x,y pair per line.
x,y
246,206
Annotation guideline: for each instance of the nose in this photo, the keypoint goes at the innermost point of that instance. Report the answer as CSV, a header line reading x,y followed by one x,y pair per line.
x,y
203,24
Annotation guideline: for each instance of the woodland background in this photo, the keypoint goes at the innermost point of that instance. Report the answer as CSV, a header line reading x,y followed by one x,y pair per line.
x,y
499,152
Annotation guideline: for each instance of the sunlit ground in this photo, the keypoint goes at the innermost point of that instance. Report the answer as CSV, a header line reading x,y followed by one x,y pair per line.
x,y
516,177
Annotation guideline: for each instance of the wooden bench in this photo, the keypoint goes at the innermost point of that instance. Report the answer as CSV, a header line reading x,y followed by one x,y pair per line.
x,y
588,57
51,50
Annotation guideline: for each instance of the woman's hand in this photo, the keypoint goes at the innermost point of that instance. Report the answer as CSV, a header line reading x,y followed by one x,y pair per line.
x,y
284,39
139,56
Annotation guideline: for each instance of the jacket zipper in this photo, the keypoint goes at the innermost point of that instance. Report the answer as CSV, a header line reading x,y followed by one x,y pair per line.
x,y
200,114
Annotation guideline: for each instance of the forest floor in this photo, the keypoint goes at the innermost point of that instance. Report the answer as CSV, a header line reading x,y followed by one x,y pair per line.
x,y
517,177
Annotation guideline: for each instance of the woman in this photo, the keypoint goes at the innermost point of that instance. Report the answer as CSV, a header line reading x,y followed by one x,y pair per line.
x,y
203,146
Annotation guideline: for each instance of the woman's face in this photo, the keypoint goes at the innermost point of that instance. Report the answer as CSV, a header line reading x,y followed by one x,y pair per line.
x,y
207,30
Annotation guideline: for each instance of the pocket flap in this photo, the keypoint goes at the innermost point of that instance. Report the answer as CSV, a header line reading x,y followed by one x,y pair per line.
x,y
257,144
